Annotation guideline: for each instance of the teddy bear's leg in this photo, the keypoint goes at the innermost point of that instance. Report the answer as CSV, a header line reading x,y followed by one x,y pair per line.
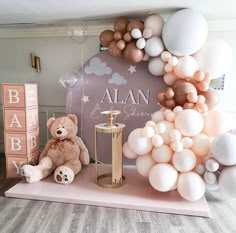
x,y
65,174
33,174
84,155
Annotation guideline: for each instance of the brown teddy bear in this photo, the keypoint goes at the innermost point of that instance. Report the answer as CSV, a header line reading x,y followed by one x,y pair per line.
x,y
63,153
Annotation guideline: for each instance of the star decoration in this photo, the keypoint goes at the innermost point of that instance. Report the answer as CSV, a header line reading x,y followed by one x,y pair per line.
x,y
85,99
132,69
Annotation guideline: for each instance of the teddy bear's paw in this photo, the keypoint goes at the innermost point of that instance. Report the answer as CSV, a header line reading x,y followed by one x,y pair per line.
x,y
64,175
29,174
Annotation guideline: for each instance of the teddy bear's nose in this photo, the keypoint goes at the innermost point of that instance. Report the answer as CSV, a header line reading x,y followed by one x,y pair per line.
x,y
59,131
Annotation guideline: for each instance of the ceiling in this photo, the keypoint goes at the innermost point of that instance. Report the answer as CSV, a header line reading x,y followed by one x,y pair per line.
x,y
48,11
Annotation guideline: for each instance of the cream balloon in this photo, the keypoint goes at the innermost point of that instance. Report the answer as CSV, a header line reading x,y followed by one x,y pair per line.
x,y
148,131
154,46
166,135
201,144
227,181
157,140
163,177
186,67
215,58
190,186
127,152
223,149
189,122
212,165
184,161
139,144
158,116
144,163
185,32
155,23
156,66
217,122
163,154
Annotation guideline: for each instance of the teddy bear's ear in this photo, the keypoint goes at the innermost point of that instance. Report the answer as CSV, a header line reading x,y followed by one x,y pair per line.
x,y
73,118
50,121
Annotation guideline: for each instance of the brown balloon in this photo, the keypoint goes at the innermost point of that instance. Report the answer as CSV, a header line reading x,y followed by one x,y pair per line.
x,y
120,24
113,50
132,53
127,37
212,98
135,24
181,89
106,37
117,36
121,44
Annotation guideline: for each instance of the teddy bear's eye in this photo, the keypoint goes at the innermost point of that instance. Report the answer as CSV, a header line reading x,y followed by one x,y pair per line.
x,y
63,127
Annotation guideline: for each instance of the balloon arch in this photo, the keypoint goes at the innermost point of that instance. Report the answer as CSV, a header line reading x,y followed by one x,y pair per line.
x,y
187,145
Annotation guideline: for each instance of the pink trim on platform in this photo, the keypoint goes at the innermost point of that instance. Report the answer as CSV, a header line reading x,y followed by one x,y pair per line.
x,y
136,193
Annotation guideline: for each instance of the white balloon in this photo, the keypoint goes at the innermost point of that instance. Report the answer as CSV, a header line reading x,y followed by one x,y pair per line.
x,y
154,46
166,134
144,163
163,177
157,140
128,153
155,23
184,161
223,149
163,154
156,66
215,58
227,181
190,186
148,131
186,67
210,177
185,32
158,116
141,43
136,33
200,169
147,33
177,146
138,143
187,142
212,165
150,123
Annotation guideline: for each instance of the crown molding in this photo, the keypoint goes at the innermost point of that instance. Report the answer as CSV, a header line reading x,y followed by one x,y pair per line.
x,y
47,31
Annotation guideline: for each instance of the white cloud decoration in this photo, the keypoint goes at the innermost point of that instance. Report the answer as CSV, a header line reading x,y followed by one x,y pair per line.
x,y
117,79
97,67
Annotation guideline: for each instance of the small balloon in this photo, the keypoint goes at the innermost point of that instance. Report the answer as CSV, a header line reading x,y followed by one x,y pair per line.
x,y
113,50
120,24
135,24
154,46
106,37
132,53
136,33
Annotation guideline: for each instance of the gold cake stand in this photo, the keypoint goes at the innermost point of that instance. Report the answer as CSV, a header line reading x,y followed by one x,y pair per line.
x,y
115,178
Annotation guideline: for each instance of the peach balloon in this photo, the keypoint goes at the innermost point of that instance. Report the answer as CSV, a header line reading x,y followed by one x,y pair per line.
x,y
163,177
157,140
201,144
187,142
139,144
127,152
121,44
158,116
170,79
212,98
216,123
186,67
173,61
163,154
160,128
199,76
177,146
148,131
144,163
189,122
150,123
166,135
165,56
190,186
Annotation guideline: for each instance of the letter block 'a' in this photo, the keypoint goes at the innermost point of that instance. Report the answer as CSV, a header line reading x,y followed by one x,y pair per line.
x,y
19,95
23,144
21,120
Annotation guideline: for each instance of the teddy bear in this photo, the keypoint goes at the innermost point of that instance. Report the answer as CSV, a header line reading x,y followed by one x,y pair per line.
x,y
63,154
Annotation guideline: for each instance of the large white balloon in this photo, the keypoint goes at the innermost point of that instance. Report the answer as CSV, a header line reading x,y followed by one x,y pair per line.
x,y
223,149
215,58
155,23
156,66
185,32
154,47
163,177
190,186
138,143
144,163
227,181
186,67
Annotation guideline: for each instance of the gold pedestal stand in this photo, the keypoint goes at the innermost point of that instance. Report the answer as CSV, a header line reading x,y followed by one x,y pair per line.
x,y
115,178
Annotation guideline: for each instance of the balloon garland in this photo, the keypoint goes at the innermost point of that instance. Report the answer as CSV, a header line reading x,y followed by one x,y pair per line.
x,y
187,145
